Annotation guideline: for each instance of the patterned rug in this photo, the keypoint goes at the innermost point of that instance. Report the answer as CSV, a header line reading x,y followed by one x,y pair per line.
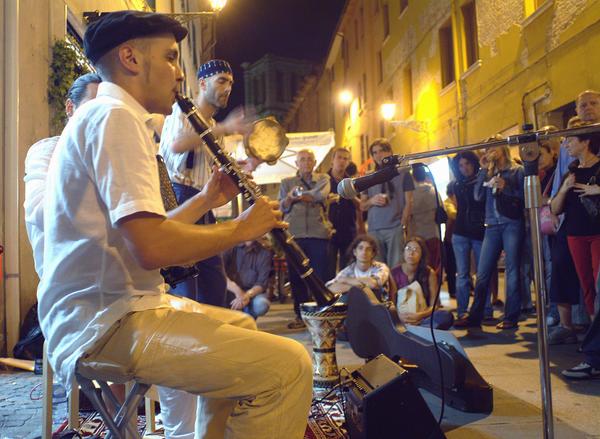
x,y
326,421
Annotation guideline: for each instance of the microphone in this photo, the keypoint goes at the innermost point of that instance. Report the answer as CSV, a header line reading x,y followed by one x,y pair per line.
x,y
350,187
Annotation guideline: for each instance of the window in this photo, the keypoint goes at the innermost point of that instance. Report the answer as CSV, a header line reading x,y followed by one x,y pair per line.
x,y
532,5
469,16
386,19
364,90
362,22
379,68
403,5
363,148
360,96
446,54
407,95
356,32
280,86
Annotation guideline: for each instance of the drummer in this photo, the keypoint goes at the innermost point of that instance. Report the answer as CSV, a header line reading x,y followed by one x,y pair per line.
x,y
189,169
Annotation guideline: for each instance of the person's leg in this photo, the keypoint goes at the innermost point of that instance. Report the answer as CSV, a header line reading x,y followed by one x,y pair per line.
x,y
581,252
525,268
462,254
512,237
250,381
488,263
379,236
178,412
344,256
395,249
434,251
449,267
489,309
316,250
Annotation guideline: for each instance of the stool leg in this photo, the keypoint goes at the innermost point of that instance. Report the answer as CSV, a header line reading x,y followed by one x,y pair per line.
x,y
74,406
87,387
129,407
47,398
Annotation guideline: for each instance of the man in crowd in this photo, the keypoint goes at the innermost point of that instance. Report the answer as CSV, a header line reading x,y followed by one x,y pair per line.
x,y
564,283
189,166
342,212
106,234
389,207
302,198
248,267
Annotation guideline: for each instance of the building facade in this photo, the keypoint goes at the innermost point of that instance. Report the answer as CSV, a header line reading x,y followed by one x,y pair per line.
x,y
457,71
272,82
29,30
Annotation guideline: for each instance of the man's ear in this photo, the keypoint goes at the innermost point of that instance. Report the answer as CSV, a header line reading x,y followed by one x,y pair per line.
x,y
69,107
130,58
202,84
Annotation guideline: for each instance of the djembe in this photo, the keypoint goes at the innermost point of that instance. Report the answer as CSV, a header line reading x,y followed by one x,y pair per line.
x,y
322,323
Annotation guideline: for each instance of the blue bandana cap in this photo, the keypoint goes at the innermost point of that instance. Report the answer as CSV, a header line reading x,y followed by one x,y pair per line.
x,y
213,67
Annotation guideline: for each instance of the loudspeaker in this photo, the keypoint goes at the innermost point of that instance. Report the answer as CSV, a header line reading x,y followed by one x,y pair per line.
x,y
383,403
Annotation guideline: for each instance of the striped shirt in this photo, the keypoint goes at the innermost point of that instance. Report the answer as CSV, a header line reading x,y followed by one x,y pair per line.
x,y
176,163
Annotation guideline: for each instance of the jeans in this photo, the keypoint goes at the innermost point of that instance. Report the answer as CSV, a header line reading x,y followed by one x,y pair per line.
x,y
507,236
390,245
259,305
210,286
462,253
316,250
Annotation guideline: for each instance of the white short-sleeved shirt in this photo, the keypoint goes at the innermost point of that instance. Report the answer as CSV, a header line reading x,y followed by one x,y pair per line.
x,y
176,163
103,170
36,171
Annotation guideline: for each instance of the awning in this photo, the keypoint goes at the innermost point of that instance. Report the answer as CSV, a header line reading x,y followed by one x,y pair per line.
x,y
318,142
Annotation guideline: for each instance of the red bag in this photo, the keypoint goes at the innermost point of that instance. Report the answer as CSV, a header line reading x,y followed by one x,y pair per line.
x,y
546,216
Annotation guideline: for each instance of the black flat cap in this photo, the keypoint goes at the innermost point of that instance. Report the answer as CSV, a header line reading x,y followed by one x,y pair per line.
x,y
115,28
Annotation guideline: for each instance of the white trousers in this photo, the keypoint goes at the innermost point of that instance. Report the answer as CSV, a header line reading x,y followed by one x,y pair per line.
x,y
251,384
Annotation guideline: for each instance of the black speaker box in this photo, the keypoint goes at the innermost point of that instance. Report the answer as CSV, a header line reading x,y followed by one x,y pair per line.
x,y
383,403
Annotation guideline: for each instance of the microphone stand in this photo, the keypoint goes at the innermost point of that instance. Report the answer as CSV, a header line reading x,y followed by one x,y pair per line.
x,y
529,151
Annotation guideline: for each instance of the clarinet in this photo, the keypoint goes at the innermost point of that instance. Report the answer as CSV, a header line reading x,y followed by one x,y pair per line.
x,y
250,191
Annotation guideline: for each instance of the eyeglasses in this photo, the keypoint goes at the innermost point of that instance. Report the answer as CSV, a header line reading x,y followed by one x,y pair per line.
x,y
412,249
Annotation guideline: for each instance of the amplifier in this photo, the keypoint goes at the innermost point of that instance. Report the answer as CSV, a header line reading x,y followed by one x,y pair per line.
x,y
383,403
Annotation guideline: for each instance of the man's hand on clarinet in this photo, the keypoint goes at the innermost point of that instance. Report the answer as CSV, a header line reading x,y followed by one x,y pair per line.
x,y
220,189
262,217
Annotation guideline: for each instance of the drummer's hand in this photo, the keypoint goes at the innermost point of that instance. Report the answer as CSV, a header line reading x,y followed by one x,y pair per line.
x,y
219,189
239,121
249,164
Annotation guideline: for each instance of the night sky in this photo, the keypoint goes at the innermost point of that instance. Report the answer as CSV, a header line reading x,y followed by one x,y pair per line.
x,y
249,29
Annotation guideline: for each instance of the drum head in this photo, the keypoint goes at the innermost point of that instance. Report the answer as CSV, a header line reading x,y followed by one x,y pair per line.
x,y
267,141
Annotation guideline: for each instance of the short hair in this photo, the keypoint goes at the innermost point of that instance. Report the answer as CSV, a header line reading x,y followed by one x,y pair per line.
x,y
419,172
362,238
592,138
337,149
587,92
78,89
306,151
351,169
382,142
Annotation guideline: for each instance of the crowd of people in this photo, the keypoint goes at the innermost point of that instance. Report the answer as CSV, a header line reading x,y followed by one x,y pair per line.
x,y
101,225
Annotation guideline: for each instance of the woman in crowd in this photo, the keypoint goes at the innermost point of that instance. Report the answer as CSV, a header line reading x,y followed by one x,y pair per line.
x,y
468,228
579,199
363,271
415,269
500,185
422,222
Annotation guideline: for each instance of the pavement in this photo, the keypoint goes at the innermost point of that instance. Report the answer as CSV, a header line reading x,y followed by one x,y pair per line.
x,y
508,360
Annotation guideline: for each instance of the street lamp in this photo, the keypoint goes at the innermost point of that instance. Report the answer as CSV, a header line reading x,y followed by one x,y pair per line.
x,y
388,110
217,5
345,97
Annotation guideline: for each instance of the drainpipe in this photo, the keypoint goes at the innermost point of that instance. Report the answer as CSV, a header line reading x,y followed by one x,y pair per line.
x,y
11,238
457,46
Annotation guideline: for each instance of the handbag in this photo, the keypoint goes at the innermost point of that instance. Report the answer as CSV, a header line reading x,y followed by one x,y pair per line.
x,y
546,216
410,299
509,206
440,215
591,203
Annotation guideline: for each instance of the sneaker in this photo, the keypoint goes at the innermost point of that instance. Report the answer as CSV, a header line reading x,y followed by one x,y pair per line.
x,y
561,335
466,322
498,303
296,324
489,321
583,371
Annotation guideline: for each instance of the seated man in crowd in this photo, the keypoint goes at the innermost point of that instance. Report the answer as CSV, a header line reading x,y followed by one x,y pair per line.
x,y
106,234
248,267
363,271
